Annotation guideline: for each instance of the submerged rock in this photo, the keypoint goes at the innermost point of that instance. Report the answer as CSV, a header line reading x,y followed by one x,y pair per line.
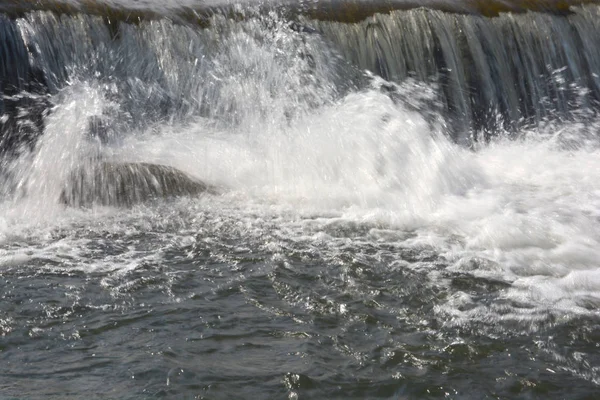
x,y
126,184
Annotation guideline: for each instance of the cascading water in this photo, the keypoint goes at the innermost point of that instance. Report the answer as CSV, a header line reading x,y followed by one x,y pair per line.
x,y
306,209
522,68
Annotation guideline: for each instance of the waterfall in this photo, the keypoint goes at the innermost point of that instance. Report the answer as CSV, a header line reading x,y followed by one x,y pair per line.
x,y
524,68
22,86
300,199
493,74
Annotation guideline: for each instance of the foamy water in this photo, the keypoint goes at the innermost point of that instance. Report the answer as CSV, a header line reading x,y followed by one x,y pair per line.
x,y
353,236
526,210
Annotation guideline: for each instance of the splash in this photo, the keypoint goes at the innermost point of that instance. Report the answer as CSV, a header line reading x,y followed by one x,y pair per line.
x,y
276,116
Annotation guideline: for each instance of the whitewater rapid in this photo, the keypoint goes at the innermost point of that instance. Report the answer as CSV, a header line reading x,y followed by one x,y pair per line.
x,y
374,232
523,212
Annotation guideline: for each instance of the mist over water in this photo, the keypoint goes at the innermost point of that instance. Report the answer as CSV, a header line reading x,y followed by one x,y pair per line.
x,y
374,235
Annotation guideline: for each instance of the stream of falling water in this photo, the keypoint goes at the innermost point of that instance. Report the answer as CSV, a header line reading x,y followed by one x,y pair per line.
x,y
365,241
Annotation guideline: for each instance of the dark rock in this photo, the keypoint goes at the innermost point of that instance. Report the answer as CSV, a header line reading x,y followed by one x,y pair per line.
x,y
126,184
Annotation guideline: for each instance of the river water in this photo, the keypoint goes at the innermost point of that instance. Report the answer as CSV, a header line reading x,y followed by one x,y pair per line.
x,y
407,207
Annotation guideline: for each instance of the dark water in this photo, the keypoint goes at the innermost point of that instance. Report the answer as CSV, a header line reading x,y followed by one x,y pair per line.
x,y
404,207
225,309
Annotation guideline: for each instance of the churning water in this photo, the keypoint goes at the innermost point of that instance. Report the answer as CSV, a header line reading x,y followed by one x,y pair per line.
x,y
405,207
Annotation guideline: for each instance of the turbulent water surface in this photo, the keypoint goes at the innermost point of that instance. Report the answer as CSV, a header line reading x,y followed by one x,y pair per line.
x,y
405,206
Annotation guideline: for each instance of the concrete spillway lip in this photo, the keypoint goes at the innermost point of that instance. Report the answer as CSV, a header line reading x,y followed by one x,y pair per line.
x,y
350,11
124,184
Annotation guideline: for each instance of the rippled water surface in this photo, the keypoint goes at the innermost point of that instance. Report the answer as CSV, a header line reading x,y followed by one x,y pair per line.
x,y
362,242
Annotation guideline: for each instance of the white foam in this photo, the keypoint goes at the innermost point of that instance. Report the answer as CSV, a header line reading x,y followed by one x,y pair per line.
x,y
41,175
529,207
